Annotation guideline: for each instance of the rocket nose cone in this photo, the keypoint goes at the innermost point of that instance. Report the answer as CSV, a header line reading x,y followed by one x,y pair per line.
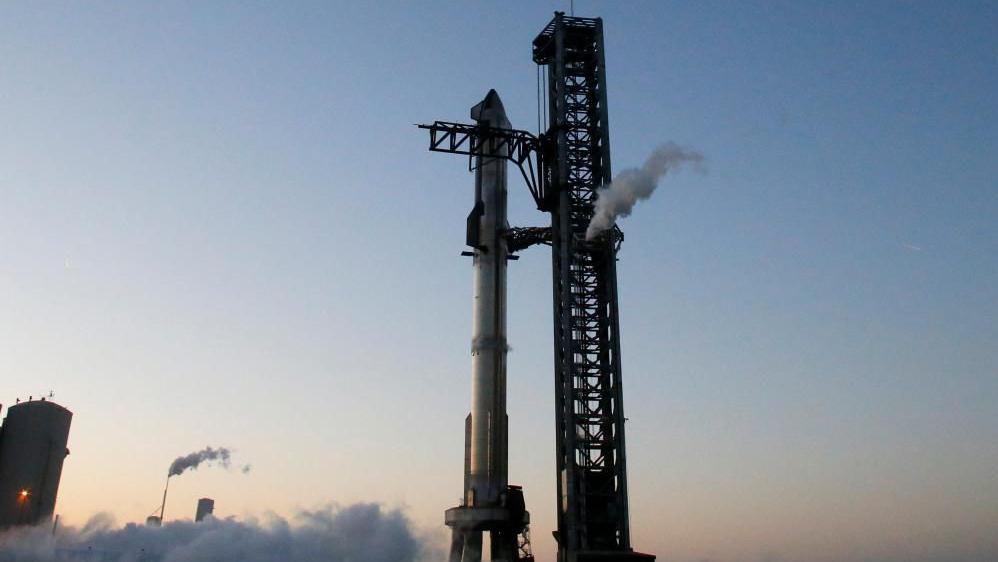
x,y
492,99
491,110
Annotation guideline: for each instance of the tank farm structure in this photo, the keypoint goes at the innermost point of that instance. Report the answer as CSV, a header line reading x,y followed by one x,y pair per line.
x,y
33,443
563,168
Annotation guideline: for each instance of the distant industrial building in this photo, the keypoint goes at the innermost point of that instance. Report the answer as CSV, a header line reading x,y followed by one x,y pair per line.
x,y
33,442
206,506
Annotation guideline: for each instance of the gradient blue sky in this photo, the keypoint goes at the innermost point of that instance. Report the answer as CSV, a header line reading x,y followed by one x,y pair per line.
x,y
218,226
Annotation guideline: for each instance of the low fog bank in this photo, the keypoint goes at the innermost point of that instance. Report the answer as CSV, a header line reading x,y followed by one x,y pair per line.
x,y
360,532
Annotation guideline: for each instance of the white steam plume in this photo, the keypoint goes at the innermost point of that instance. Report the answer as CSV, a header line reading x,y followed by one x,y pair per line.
x,y
630,186
220,455
358,532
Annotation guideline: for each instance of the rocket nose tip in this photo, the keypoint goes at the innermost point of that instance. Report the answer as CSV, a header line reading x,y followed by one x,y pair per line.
x,y
493,101
490,108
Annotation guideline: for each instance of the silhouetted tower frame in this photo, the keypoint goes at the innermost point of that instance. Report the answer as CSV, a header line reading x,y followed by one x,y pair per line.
x,y
589,414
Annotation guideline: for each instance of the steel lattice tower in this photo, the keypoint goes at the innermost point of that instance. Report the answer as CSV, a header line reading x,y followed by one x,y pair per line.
x,y
592,469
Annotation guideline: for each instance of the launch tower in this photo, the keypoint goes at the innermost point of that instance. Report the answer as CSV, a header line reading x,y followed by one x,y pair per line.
x,y
563,168
589,414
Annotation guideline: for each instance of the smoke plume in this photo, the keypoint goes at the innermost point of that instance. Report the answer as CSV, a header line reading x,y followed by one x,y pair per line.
x,y
193,460
630,186
358,532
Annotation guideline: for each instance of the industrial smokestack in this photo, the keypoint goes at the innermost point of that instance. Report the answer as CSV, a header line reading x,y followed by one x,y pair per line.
x,y
162,506
193,460
630,186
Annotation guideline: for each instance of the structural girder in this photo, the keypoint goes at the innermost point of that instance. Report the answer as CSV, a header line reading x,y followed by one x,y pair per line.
x,y
519,147
522,237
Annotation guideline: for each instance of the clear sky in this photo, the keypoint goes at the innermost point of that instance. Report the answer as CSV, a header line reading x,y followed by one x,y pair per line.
x,y
218,226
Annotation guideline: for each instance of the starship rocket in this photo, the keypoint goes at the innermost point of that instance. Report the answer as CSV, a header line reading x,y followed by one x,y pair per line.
x,y
486,472
489,503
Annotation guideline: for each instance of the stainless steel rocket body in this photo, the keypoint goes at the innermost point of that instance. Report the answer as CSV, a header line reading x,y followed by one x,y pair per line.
x,y
487,447
490,504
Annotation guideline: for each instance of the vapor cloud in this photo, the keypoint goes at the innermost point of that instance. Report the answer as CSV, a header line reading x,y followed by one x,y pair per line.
x,y
220,455
358,532
630,186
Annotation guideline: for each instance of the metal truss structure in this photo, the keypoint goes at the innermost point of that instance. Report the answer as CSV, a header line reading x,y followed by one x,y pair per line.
x,y
523,237
520,147
592,470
